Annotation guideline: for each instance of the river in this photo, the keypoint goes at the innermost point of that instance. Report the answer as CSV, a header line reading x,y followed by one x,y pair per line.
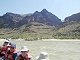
x,y
58,50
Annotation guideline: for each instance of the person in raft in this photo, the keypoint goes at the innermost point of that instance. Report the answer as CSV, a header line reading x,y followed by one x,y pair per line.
x,y
24,55
43,56
12,53
4,48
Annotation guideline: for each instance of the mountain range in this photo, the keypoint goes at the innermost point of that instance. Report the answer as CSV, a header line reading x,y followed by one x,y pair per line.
x,y
41,23
11,20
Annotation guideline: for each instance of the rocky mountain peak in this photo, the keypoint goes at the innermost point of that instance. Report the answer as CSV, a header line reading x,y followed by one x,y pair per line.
x,y
44,11
46,17
36,13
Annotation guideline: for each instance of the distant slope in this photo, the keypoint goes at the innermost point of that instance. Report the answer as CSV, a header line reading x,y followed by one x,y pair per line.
x,y
74,18
70,27
69,31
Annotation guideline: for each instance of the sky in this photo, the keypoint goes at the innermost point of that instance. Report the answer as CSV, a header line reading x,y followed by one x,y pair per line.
x,y
60,8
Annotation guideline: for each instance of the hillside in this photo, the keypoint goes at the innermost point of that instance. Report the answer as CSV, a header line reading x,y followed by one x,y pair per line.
x,y
34,31
70,28
71,31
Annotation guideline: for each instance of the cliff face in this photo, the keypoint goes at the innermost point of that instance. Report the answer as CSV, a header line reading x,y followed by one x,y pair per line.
x,y
11,20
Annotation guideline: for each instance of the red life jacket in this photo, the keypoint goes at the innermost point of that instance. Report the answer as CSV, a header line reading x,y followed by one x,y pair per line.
x,y
9,55
3,50
28,57
0,49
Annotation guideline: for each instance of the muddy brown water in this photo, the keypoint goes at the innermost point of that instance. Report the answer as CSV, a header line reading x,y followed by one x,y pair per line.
x,y
58,50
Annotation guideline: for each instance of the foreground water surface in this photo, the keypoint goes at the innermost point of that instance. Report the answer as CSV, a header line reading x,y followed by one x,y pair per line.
x,y
58,50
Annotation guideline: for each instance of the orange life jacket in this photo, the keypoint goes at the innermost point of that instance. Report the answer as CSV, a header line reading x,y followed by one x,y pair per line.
x,y
28,57
10,55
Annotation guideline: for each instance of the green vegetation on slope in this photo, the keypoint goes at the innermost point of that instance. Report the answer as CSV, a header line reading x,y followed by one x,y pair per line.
x,y
38,31
34,31
69,32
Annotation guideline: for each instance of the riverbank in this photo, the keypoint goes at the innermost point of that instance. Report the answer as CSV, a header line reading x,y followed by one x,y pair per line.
x,y
60,39
45,40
